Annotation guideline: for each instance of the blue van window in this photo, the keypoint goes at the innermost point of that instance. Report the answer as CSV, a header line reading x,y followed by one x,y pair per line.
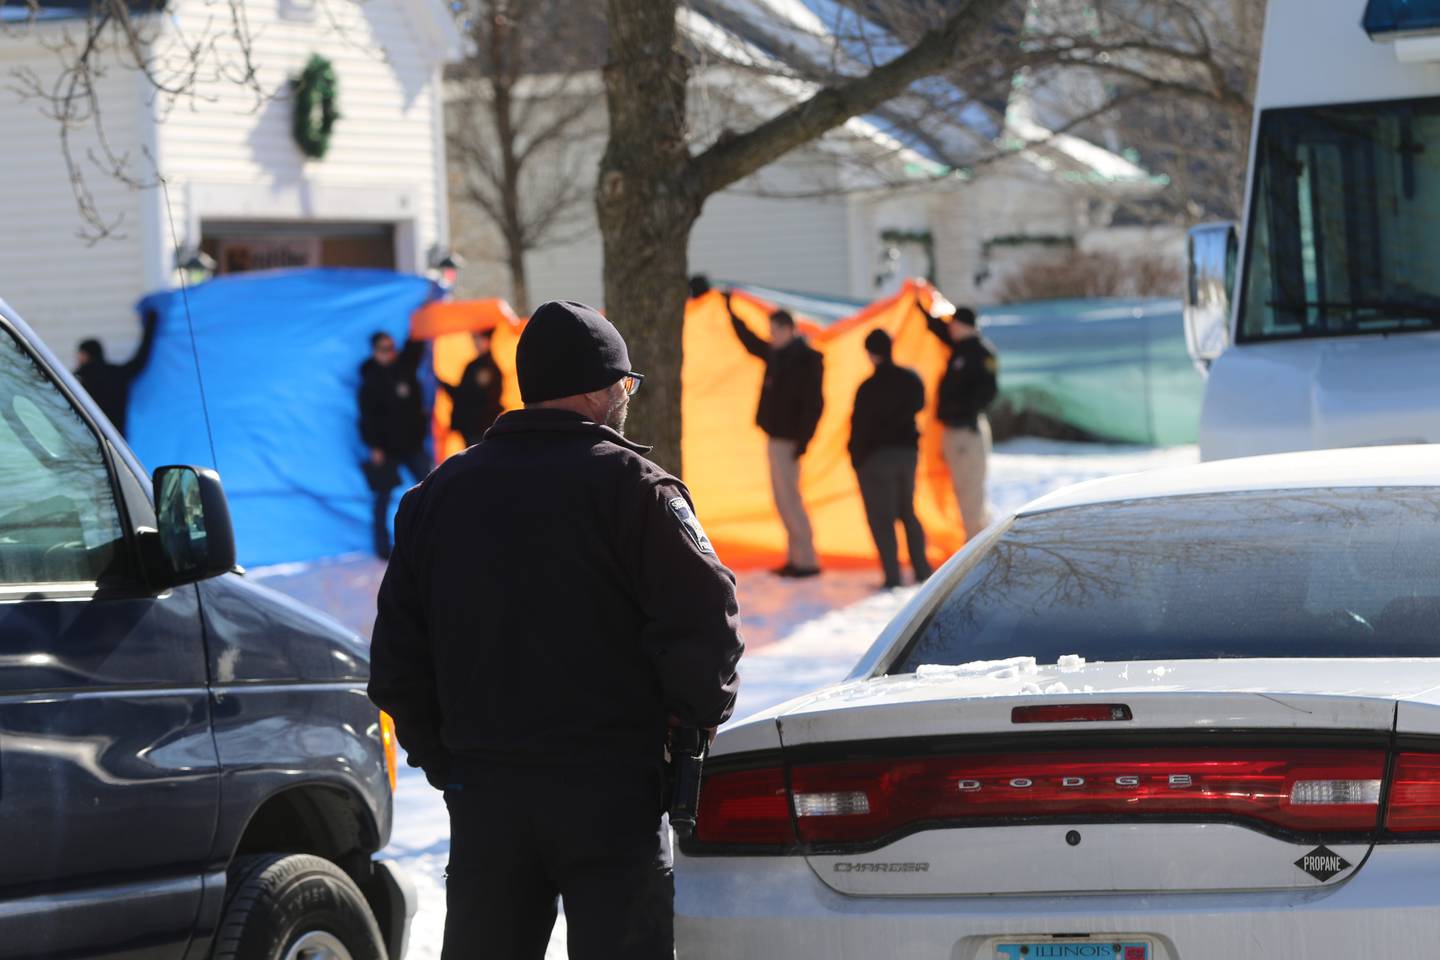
x,y
58,519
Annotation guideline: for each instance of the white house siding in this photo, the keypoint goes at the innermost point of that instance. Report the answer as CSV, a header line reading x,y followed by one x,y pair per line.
x,y
64,287
792,244
229,157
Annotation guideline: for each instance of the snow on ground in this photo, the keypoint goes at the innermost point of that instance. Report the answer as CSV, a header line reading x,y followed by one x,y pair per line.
x,y
800,635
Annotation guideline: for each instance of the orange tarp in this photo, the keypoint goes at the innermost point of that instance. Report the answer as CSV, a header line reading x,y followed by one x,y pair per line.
x,y
724,452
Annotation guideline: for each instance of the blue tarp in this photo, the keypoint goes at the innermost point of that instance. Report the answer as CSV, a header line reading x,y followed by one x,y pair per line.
x,y
280,353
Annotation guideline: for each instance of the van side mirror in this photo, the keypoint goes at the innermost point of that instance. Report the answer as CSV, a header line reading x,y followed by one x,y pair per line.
x,y
196,540
1213,249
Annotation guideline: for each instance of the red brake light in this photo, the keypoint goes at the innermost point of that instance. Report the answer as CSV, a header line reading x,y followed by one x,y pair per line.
x,y
745,807
1070,713
1306,790
1414,794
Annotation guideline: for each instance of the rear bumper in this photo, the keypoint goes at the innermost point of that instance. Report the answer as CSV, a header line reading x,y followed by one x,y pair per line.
x,y
765,907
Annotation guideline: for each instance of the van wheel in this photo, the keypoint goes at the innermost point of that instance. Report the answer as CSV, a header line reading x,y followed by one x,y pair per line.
x,y
295,907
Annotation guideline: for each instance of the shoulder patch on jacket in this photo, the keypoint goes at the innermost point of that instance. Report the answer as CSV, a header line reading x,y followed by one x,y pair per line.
x,y
691,524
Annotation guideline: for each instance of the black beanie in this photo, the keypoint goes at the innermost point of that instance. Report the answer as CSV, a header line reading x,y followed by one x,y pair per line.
x,y
568,349
878,342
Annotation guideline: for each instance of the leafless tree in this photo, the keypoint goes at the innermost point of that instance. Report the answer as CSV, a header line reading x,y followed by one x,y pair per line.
x,y
522,107
108,35
652,186
913,60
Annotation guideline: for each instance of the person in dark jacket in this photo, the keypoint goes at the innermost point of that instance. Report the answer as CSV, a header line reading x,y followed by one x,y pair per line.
x,y
883,449
477,395
109,383
393,425
791,401
551,608
968,386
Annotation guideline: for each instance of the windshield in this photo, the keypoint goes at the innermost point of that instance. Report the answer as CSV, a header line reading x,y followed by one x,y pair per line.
x,y
1345,222
1312,573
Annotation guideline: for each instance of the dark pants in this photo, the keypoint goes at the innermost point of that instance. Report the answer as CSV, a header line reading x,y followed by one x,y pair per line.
x,y
383,479
887,485
521,837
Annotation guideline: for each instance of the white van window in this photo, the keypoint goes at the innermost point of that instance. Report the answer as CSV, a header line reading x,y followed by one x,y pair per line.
x,y
58,519
1345,222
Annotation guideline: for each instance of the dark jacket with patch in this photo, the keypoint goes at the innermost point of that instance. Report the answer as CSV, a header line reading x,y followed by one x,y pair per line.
x,y
392,409
550,600
793,396
477,403
969,384
885,408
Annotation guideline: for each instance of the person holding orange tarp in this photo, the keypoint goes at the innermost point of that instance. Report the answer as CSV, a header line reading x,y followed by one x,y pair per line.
x,y
883,442
452,326
967,388
791,401
477,395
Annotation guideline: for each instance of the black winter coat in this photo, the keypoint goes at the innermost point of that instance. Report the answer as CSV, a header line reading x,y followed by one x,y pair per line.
x,y
793,397
885,408
109,383
550,600
392,409
969,384
477,403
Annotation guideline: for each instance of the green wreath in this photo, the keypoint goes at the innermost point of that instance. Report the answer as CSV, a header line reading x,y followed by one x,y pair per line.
x,y
315,110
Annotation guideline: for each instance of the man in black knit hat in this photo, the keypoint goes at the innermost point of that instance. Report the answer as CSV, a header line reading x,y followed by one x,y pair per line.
x,y
883,450
552,607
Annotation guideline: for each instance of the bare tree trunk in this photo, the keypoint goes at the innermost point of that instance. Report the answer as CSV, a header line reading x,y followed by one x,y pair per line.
x,y
647,201
502,59
519,283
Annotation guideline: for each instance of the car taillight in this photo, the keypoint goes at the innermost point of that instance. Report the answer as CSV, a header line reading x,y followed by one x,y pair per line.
x,y
387,740
745,807
1305,790
1070,713
1414,805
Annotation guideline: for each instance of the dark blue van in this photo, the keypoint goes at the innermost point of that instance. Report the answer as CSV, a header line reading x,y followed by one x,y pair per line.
x,y
189,766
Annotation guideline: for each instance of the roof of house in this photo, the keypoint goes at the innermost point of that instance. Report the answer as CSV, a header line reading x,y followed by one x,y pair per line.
x,y
789,37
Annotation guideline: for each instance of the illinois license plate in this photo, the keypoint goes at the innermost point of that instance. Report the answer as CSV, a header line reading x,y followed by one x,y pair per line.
x,y
1074,949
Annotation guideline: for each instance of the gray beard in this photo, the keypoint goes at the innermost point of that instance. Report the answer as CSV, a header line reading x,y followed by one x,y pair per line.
x,y
615,416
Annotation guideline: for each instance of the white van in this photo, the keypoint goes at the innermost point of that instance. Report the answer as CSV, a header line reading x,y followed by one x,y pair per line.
x,y
1331,337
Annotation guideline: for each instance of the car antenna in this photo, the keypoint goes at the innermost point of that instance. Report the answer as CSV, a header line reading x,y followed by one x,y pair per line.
x,y
189,320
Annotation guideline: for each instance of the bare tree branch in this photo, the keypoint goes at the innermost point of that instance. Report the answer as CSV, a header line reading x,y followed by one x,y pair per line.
x,y
736,157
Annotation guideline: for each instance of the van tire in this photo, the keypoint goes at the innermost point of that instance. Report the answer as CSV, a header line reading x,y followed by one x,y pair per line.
x,y
273,900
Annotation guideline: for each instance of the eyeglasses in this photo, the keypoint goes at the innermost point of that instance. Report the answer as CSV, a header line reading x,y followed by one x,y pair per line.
x,y
631,382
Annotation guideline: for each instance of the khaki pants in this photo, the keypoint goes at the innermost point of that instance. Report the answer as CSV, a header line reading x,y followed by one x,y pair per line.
x,y
966,454
785,484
